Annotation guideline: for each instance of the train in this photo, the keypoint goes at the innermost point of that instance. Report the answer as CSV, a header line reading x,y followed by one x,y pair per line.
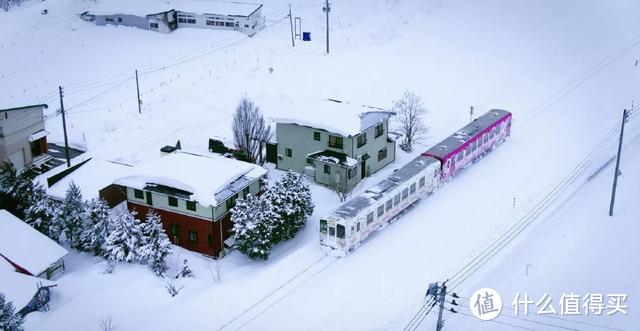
x,y
350,224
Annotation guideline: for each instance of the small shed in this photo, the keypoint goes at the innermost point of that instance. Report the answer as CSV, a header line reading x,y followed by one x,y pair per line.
x,y
26,293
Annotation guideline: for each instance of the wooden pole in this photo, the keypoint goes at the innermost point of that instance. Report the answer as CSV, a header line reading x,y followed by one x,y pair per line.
x,y
625,114
64,128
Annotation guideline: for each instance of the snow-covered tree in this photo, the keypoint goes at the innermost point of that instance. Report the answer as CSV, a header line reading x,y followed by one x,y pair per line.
x,y
42,214
156,244
9,319
250,130
253,220
16,188
291,200
71,215
125,239
410,113
185,271
95,226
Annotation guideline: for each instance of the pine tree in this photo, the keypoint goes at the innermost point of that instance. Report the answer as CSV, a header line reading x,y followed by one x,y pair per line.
x,y
95,226
41,214
9,320
71,215
253,220
125,239
291,200
16,188
156,246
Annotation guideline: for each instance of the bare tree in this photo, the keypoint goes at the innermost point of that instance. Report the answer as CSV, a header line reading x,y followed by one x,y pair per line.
x,y
106,324
341,188
250,130
410,113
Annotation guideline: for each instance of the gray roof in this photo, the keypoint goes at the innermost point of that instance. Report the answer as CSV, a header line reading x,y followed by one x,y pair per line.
x,y
355,205
25,107
233,188
451,143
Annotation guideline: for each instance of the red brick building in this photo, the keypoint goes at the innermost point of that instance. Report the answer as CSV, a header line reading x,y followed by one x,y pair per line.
x,y
193,195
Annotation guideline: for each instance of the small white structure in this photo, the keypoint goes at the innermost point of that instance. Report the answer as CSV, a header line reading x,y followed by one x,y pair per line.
x,y
27,250
26,293
166,16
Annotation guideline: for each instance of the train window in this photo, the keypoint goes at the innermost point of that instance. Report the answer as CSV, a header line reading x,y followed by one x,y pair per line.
x,y
405,193
435,173
412,188
422,181
389,204
358,226
370,218
460,155
396,199
498,129
486,138
332,231
380,210
323,226
340,231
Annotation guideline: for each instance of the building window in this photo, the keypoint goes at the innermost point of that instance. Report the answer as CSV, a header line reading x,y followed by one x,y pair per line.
x,y
288,152
175,229
380,210
231,202
211,23
316,136
108,19
327,169
120,19
193,236
191,205
173,202
219,23
309,161
382,154
379,130
191,21
138,194
246,25
422,181
370,218
362,139
153,25
389,204
228,24
182,20
335,142
353,172
210,240
245,191
412,188
149,199
323,226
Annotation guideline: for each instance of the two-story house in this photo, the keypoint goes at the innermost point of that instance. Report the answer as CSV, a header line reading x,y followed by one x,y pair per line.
x,y
193,194
23,140
335,151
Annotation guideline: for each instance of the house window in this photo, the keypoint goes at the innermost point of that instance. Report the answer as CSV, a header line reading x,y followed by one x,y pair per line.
x,y
219,23
182,20
362,139
288,152
370,218
389,204
316,136
323,226
108,19
379,130
412,188
149,199
396,199
191,205
138,194
327,169
380,210
211,23
153,25
173,202
309,161
120,19
231,202
335,142
382,154
421,182
246,25
405,193
228,24
193,236
210,240
191,21
340,231
353,172
245,191
175,229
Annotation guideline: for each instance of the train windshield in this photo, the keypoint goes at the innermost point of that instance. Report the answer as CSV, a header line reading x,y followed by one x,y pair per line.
x,y
323,226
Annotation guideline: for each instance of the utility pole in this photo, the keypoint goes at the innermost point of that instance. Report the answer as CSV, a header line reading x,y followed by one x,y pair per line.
x,y
443,294
138,90
293,43
625,115
64,129
327,9
471,114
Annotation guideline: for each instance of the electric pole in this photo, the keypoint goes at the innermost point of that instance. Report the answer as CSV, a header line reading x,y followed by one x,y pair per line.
x,y
64,129
293,43
443,294
471,114
327,9
625,115
138,90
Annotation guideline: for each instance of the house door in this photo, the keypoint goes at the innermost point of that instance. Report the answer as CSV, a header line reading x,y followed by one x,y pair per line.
x,y
149,199
363,168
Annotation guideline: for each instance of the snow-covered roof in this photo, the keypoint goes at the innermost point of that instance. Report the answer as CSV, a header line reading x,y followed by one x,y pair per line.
x,y
90,177
148,7
17,287
201,176
341,117
27,247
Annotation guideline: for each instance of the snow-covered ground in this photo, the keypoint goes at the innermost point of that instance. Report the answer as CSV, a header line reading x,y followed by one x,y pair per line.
x,y
566,69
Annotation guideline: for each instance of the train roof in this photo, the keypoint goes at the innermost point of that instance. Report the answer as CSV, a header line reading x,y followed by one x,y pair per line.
x,y
354,206
451,143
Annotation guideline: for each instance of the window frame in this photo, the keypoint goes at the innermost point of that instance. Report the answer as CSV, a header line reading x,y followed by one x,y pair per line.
x,y
193,237
288,152
380,212
379,130
172,201
361,140
370,217
336,142
138,194
326,169
191,203
317,136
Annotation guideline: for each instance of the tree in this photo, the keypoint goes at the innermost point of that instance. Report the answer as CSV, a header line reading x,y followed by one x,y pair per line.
x,y
95,226
9,320
156,244
16,188
125,239
71,215
253,220
250,130
291,200
42,214
410,113
341,189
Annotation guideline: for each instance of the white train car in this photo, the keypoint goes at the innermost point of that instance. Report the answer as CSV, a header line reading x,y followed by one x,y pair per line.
x,y
349,225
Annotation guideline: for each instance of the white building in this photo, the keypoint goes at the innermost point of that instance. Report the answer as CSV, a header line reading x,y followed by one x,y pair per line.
x,y
166,16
